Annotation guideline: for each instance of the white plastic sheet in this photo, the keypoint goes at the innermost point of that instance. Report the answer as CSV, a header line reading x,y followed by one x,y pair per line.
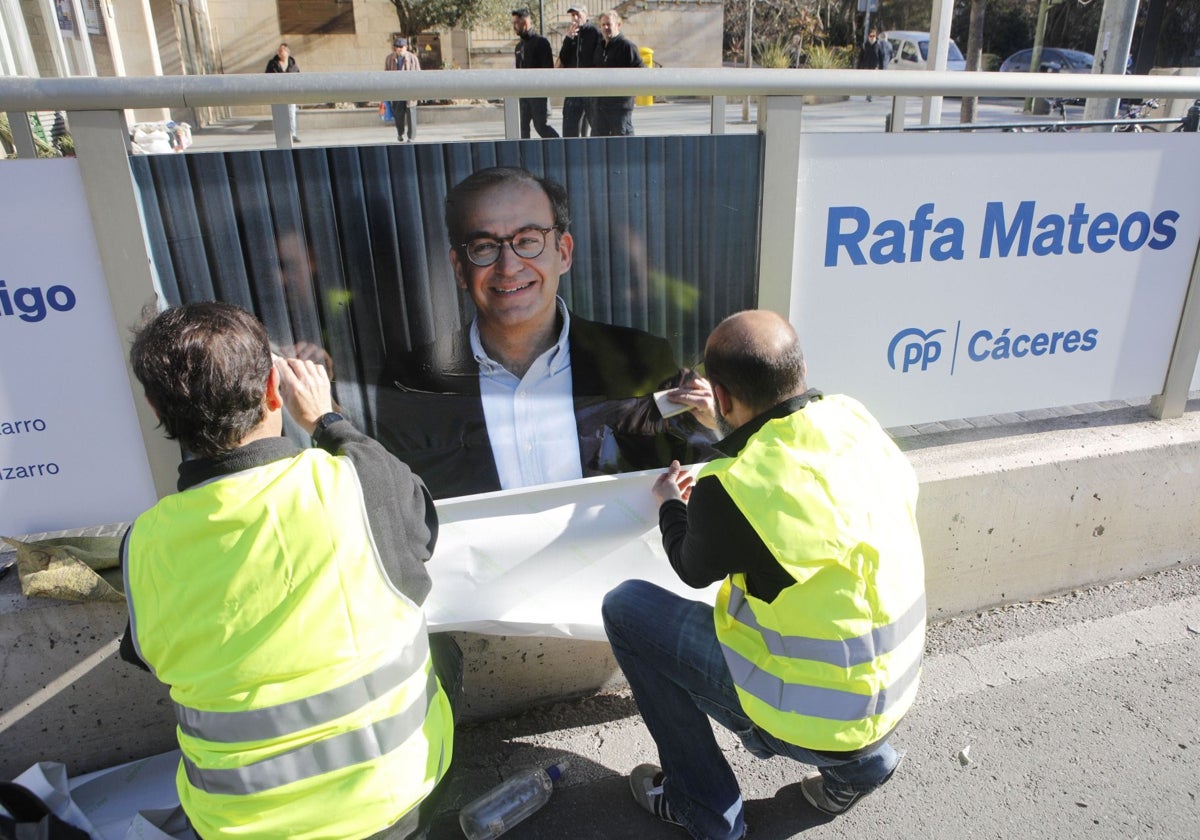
x,y
538,561
134,801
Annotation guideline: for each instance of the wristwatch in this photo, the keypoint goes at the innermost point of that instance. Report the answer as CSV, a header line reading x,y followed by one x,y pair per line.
x,y
325,421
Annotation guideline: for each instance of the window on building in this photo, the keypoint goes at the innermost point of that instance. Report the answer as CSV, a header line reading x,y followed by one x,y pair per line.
x,y
316,17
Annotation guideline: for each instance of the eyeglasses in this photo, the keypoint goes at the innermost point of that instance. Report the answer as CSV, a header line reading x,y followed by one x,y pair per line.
x,y
527,243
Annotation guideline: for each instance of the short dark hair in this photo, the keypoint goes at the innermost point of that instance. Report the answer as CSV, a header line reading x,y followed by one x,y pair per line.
x,y
461,196
204,368
755,372
522,12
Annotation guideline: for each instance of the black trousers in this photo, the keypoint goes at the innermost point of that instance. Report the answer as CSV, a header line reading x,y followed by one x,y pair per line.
x,y
612,121
576,113
536,111
404,117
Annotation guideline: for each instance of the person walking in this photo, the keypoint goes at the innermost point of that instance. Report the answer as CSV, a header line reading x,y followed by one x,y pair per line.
x,y
533,51
404,111
868,57
579,48
613,115
813,648
284,62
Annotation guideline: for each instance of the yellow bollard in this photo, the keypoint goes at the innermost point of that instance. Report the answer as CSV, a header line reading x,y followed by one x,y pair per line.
x,y
647,59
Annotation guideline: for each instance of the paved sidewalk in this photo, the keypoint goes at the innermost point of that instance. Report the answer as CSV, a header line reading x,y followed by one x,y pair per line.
x,y
661,119
1071,717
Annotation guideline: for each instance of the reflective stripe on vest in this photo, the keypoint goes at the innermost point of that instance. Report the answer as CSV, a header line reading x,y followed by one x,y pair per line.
x,y
843,653
372,741
287,718
827,703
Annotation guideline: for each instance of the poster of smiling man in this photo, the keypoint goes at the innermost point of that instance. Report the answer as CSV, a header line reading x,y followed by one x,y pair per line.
x,y
498,314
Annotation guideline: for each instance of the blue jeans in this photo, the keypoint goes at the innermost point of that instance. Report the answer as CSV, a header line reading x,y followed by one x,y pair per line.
x,y
667,646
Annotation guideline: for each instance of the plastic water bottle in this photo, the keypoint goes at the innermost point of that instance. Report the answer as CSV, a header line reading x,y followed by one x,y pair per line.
x,y
509,802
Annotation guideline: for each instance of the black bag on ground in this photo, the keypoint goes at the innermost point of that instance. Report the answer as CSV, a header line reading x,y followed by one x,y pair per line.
x,y
30,818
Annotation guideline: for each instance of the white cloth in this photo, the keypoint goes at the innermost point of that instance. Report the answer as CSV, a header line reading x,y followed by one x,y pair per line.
x,y
531,420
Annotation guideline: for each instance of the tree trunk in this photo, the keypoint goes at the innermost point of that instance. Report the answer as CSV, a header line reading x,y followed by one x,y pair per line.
x,y
974,57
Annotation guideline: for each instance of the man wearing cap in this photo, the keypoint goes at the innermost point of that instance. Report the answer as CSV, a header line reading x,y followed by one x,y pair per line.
x,y
612,116
578,50
532,52
401,59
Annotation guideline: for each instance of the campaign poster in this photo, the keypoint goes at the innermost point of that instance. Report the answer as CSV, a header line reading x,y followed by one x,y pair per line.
x,y
71,451
345,255
946,277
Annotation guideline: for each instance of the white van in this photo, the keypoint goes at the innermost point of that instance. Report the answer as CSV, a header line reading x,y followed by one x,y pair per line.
x,y
910,51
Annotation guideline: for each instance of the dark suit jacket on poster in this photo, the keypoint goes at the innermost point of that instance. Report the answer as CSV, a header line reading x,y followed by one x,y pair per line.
x,y
428,411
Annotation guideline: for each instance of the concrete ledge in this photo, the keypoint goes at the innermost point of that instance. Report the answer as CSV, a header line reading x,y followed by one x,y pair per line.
x,y
1018,512
1007,513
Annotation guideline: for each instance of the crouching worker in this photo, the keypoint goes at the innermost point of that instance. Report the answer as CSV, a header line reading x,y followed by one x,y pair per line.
x,y
278,594
813,650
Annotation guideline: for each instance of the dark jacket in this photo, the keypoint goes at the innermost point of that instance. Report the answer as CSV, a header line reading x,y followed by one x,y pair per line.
x,y
533,52
428,411
580,51
273,65
619,52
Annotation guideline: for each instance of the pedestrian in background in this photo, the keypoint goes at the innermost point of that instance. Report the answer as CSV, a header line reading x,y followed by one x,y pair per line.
x,y
579,48
283,62
868,58
533,52
885,50
613,115
403,110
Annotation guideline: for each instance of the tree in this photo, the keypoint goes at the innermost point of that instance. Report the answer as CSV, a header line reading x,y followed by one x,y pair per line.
x,y
416,16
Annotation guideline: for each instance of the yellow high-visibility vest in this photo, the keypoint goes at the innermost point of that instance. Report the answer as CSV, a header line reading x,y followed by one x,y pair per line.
x,y
303,686
833,662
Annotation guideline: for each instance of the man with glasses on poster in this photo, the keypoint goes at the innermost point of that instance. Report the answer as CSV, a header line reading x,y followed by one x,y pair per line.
x,y
530,393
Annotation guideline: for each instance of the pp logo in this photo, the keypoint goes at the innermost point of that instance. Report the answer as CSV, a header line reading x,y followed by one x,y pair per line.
x,y
917,347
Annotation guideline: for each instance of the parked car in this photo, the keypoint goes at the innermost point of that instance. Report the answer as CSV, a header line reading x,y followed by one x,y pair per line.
x,y
910,51
1054,60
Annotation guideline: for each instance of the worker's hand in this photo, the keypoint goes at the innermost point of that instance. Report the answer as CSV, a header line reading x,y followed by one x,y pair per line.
x,y
305,389
675,483
311,352
696,392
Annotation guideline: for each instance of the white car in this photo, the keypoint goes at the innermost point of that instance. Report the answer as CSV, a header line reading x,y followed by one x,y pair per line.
x,y
910,51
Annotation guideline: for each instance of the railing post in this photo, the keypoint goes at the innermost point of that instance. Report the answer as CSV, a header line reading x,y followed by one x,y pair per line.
x,y
1173,399
896,121
102,149
283,128
717,117
512,118
779,121
18,123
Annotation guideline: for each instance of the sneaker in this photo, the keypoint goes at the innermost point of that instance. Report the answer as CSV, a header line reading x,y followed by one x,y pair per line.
x,y
827,802
646,784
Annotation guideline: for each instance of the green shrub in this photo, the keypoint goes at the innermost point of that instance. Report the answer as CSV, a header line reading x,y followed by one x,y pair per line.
x,y
775,55
821,57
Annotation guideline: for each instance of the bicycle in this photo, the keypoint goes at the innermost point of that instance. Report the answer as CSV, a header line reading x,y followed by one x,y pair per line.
x,y
1136,111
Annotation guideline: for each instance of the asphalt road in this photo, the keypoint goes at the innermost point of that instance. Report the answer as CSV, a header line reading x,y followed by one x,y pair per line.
x,y
1071,717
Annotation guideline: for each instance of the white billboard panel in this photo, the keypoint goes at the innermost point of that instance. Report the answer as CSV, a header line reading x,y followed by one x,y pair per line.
x,y
956,276
71,452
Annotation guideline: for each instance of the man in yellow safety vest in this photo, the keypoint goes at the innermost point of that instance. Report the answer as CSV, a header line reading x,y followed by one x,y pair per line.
x,y
813,649
278,594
